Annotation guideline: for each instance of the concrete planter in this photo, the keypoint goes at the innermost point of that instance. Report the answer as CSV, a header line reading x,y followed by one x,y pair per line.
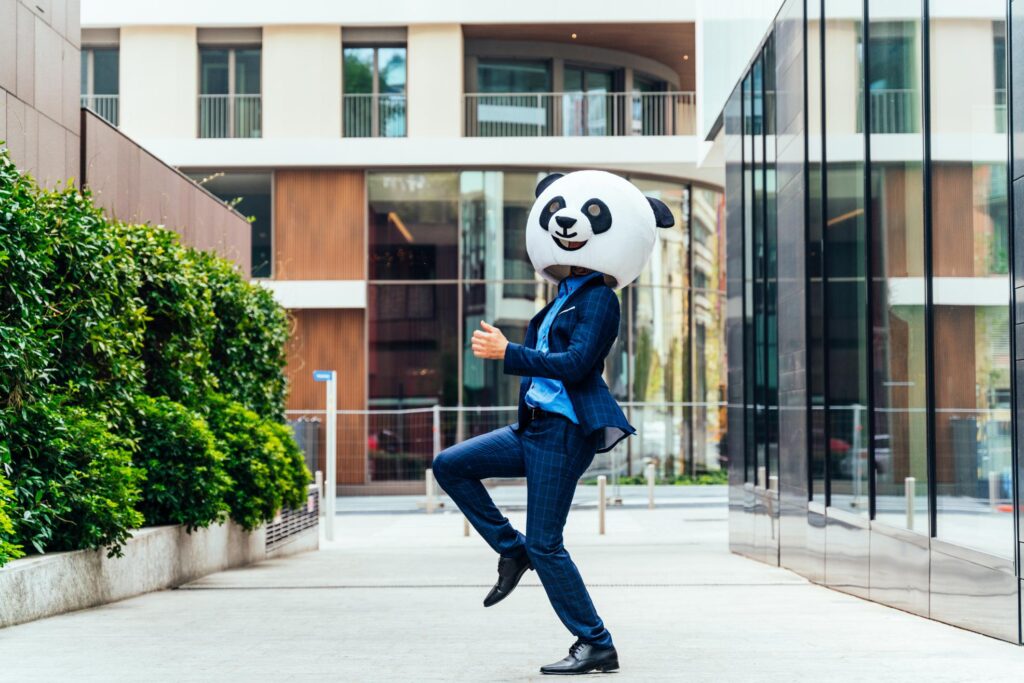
x,y
154,559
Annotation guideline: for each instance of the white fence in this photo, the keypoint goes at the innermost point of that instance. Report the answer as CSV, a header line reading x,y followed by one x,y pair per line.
x,y
382,450
579,113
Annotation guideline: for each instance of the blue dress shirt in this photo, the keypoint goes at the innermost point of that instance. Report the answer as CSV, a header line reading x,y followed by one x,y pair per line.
x,y
550,394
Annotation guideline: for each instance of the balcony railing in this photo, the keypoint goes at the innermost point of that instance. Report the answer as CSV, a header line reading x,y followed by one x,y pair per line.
x,y
230,116
105,106
373,116
893,111
579,113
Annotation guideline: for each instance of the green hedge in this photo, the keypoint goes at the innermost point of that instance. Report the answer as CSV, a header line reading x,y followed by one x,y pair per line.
x,y
123,357
185,478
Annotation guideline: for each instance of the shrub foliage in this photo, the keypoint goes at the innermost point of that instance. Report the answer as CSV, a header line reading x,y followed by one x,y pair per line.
x,y
120,349
185,478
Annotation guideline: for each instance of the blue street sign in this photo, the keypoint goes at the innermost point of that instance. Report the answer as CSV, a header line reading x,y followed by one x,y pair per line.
x,y
323,375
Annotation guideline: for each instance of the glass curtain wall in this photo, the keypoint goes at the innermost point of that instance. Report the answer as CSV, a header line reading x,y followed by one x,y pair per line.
x,y
817,350
761,372
970,277
447,250
908,367
896,217
845,261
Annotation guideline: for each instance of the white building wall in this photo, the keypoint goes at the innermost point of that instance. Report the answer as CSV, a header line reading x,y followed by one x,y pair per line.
x,y
301,81
435,80
159,81
727,34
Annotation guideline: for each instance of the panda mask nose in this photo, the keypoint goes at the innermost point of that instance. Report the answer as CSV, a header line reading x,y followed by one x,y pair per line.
x,y
565,222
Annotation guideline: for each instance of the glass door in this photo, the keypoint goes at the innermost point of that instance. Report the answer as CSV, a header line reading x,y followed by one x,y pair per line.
x,y
588,104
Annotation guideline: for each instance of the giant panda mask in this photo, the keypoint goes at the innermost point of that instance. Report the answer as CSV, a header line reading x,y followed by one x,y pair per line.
x,y
595,220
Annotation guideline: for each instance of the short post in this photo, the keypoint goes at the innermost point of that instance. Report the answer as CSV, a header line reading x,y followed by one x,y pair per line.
x,y
330,378
465,526
437,429
602,502
909,492
650,486
993,489
319,479
431,503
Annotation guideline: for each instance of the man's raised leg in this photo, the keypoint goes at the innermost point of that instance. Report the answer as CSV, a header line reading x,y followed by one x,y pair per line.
x,y
459,470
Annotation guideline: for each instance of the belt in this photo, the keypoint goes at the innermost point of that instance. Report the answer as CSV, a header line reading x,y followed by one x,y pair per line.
x,y
537,413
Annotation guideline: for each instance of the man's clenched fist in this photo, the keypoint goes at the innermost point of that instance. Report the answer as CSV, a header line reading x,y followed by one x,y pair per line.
x,y
489,342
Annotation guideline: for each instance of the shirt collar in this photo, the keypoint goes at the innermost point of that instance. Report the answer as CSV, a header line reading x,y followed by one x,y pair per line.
x,y
570,284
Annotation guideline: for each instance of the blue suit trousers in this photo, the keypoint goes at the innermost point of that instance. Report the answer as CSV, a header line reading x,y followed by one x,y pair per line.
x,y
552,453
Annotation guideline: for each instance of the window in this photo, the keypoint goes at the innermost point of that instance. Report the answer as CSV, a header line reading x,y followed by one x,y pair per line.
x,y
374,99
249,193
101,82
230,104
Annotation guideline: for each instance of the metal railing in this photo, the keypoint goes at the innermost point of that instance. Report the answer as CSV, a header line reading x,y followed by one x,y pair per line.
x,y
579,113
373,116
230,116
388,447
895,111
105,106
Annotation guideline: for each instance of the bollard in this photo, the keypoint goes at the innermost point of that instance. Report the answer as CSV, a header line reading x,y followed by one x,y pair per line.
x,y
650,486
602,502
993,489
319,478
762,477
909,492
465,526
429,478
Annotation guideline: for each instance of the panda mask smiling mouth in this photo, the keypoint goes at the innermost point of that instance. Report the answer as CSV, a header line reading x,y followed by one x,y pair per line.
x,y
565,233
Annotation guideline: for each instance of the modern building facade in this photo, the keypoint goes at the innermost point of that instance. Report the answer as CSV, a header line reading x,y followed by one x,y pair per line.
x,y
389,169
51,137
870,280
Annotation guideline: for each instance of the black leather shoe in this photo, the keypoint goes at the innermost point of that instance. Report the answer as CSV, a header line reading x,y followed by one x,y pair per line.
x,y
584,658
510,570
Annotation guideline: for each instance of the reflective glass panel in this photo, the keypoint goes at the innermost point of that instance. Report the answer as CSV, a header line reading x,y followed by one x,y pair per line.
x,y
413,344
413,225
105,71
845,248
897,283
970,289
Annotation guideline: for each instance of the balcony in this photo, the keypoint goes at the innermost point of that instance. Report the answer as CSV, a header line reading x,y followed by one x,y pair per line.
x,y
373,116
230,116
104,106
567,114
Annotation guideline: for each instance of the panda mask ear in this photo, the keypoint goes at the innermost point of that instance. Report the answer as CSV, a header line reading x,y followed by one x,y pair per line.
x,y
543,184
662,216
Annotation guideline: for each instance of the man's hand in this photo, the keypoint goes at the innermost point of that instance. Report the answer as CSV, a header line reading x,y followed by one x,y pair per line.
x,y
489,343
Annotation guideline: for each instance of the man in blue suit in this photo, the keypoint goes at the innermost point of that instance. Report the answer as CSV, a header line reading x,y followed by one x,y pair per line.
x,y
566,414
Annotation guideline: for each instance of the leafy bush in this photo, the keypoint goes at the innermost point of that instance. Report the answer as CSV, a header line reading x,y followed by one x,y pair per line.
x,y
112,337
179,306
26,256
9,550
263,461
247,352
185,478
74,482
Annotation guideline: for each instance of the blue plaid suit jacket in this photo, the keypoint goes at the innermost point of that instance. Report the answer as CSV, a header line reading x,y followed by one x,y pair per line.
x,y
578,342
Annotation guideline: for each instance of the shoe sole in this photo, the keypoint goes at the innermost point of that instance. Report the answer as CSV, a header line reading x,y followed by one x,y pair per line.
x,y
609,667
514,586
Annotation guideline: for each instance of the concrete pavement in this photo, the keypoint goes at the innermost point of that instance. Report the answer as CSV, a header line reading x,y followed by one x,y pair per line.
x,y
397,598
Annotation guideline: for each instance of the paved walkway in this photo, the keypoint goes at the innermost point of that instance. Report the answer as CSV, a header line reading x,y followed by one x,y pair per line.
x,y
398,599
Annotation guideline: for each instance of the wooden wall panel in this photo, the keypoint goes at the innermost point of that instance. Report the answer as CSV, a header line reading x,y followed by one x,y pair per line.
x,y
332,340
319,225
